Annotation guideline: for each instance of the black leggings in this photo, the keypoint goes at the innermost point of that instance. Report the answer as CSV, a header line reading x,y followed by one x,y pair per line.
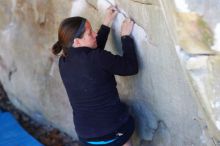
x,y
117,138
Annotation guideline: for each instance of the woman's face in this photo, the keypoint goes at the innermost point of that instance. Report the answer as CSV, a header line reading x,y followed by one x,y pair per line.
x,y
89,37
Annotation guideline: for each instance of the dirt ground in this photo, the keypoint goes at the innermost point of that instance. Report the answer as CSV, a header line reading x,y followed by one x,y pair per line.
x,y
47,135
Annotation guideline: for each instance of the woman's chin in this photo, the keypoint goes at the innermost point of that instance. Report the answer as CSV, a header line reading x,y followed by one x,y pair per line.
x,y
94,46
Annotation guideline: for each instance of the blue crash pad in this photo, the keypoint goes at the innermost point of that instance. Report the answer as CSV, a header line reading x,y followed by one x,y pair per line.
x,y
12,134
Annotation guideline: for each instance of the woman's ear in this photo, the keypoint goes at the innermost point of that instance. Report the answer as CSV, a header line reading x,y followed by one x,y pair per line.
x,y
76,42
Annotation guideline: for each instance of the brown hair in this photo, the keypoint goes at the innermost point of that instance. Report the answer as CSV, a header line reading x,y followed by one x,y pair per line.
x,y
67,30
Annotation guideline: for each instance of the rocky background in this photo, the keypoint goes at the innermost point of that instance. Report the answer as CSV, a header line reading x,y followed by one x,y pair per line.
x,y
175,97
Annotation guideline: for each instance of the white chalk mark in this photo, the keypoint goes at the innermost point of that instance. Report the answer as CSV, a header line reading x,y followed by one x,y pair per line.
x,y
216,45
182,6
78,6
54,64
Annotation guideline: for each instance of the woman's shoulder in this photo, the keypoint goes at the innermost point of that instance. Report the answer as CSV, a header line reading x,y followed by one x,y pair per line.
x,y
99,52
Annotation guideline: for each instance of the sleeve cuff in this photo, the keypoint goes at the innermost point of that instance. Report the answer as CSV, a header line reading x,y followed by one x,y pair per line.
x,y
104,27
126,37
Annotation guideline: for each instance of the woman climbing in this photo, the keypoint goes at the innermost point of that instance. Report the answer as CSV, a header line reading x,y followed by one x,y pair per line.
x,y
87,72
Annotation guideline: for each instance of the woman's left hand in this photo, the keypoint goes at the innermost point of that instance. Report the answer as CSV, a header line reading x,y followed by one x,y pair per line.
x,y
110,15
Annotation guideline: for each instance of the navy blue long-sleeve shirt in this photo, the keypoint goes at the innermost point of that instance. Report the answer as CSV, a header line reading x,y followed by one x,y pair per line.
x,y
88,77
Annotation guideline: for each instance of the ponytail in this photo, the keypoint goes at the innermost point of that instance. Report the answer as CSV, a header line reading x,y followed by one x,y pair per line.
x,y
57,47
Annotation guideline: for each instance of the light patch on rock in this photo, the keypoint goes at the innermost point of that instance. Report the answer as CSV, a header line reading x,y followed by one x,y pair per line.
x,y
139,33
13,6
6,40
197,62
199,81
78,6
162,136
7,32
217,123
203,137
183,56
216,45
104,4
182,6
53,66
216,105
117,23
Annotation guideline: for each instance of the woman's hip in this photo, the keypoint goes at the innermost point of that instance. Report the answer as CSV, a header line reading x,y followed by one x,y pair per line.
x,y
116,138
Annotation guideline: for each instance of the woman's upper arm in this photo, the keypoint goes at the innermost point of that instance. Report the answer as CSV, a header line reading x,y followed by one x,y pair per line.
x,y
114,64
102,36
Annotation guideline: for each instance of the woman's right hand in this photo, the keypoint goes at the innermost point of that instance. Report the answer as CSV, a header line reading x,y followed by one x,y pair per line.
x,y
110,15
126,27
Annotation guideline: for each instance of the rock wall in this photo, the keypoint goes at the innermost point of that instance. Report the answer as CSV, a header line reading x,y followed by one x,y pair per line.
x,y
174,97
